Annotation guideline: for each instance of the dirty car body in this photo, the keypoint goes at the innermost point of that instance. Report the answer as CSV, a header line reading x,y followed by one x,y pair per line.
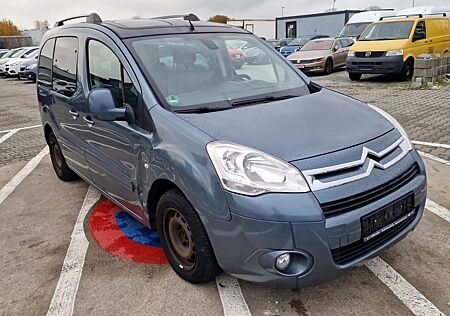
x,y
289,180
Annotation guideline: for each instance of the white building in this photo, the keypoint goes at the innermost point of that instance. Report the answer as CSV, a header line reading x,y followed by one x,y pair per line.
x,y
260,27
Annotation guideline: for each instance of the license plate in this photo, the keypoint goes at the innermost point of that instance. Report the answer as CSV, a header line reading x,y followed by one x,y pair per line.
x,y
301,66
380,221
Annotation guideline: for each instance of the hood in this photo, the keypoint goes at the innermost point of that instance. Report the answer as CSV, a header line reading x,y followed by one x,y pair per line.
x,y
298,128
309,54
373,46
291,48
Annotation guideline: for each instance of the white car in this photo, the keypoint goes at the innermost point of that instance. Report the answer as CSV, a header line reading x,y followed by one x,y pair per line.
x,y
19,53
17,66
360,21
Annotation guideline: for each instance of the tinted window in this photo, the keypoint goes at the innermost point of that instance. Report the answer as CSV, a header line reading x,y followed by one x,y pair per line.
x,y
106,71
65,66
45,63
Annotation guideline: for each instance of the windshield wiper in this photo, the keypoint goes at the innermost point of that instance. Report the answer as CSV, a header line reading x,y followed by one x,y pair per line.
x,y
202,109
263,100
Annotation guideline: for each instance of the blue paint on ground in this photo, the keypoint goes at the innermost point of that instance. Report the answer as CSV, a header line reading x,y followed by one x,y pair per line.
x,y
136,231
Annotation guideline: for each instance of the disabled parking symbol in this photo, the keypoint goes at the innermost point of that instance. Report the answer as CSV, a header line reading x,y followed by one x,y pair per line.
x,y
119,234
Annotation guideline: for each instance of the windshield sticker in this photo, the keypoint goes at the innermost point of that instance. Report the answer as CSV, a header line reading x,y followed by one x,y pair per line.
x,y
173,100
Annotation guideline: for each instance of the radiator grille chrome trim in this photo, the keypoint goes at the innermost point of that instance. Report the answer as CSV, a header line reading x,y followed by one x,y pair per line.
x,y
315,184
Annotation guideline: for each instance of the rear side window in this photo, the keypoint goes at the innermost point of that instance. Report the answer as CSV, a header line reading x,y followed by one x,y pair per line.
x,y
106,71
45,63
65,66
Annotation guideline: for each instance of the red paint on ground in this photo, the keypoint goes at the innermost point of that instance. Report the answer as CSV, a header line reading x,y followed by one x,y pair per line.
x,y
110,237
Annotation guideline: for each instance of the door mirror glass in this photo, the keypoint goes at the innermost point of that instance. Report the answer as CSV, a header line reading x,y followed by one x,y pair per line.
x,y
102,107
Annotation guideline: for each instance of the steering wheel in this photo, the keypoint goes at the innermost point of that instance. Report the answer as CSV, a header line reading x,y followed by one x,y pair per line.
x,y
243,77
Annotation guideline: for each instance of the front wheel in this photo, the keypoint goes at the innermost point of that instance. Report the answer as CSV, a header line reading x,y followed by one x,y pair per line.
x,y
184,239
328,67
354,77
58,161
408,69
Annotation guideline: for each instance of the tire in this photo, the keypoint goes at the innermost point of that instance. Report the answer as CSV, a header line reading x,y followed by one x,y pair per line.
x,y
407,70
354,76
328,69
184,239
60,166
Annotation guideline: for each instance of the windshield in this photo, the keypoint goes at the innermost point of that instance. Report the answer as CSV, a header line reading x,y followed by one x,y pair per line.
x,y
197,70
318,45
31,53
17,53
354,29
299,41
387,31
8,54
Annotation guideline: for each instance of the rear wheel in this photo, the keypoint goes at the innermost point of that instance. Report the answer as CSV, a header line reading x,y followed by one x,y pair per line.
x,y
328,69
58,161
184,239
354,77
408,69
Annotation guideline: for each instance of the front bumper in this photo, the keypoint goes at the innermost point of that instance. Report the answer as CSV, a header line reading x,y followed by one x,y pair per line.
x,y
311,67
375,65
246,246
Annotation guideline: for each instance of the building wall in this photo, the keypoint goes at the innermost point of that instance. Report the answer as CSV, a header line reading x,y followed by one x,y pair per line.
x,y
324,24
262,28
11,42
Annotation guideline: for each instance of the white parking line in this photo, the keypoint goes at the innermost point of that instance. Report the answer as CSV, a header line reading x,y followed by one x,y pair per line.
x,y
230,293
445,162
19,129
407,293
438,210
63,300
6,136
416,142
21,175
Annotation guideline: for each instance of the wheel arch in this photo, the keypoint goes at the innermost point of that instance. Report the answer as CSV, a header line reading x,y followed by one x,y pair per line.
x,y
47,131
157,190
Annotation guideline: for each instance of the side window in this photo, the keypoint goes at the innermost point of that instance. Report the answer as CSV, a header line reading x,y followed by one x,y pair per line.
x,y
106,71
65,66
339,44
420,30
45,63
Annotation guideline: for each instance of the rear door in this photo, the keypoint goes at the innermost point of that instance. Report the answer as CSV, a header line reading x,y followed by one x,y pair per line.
x,y
68,104
58,64
114,148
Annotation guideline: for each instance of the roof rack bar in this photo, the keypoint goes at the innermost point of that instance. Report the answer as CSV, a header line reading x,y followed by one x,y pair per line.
x,y
420,15
187,17
90,18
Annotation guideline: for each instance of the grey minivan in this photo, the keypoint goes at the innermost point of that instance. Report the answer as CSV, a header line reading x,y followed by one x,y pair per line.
x,y
256,171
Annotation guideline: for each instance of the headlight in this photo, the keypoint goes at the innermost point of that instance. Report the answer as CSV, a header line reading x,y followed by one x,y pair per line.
x,y
2,62
15,64
406,142
351,53
395,52
248,171
316,60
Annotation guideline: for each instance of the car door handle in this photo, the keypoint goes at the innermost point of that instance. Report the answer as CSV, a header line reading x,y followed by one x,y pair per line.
x,y
89,122
74,114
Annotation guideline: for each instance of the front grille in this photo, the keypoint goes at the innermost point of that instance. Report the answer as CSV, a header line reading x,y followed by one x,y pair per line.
x,y
359,200
357,249
372,54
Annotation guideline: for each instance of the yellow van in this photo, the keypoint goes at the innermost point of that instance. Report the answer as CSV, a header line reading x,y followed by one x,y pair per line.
x,y
391,45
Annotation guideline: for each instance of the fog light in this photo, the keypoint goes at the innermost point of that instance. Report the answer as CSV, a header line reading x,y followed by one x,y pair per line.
x,y
283,261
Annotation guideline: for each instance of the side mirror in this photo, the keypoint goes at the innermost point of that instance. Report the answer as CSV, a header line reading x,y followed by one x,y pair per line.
x,y
335,49
102,107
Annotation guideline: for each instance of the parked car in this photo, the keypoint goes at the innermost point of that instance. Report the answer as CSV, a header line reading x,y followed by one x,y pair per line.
x,y
360,21
16,55
30,72
237,57
255,55
16,66
260,173
426,10
296,44
278,44
391,45
322,55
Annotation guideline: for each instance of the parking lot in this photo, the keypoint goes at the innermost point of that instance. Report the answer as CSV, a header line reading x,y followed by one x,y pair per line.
x,y
42,216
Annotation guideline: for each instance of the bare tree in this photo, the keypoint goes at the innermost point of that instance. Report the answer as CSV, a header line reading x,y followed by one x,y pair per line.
x,y
41,25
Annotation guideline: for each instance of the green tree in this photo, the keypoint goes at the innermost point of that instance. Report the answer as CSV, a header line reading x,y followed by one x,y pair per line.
x,y
219,19
8,28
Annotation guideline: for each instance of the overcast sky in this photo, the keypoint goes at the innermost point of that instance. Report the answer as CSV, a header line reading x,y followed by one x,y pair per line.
x,y
25,12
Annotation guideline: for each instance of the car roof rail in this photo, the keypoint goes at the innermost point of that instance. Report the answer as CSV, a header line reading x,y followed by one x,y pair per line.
x,y
186,17
90,18
419,15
